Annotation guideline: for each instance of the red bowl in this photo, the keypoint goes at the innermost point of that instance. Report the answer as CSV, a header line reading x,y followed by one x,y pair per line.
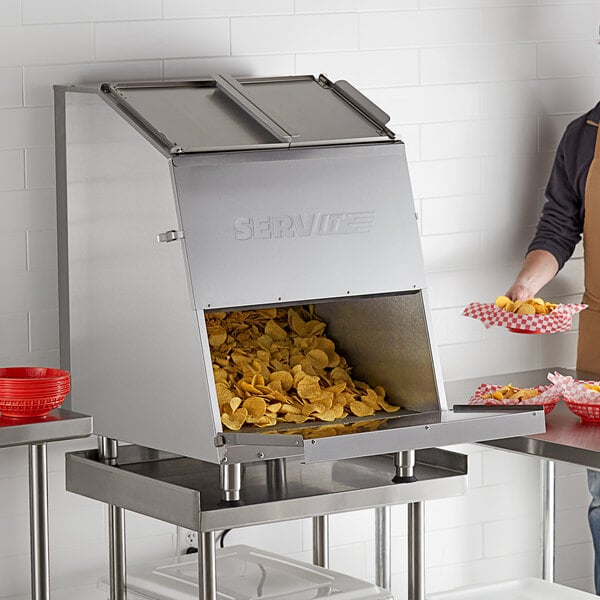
x,y
36,389
29,408
32,391
548,406
588,413
28,374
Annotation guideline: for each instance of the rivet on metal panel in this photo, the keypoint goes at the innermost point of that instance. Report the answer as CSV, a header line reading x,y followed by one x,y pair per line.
x,y
426,427
260,455
313,441
224,459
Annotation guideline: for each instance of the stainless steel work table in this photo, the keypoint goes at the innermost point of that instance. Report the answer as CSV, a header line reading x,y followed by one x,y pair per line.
x,y
187,492
36,432
567,439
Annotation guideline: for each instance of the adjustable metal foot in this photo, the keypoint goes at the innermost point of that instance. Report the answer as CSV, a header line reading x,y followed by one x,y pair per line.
x,y
405,466
231,482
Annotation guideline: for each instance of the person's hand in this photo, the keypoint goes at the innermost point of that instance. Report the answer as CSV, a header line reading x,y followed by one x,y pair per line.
x,y
520,291
539,267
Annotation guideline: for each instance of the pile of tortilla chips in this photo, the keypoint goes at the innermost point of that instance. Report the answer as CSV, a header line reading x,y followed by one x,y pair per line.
x,y
509,392
531,306
275,365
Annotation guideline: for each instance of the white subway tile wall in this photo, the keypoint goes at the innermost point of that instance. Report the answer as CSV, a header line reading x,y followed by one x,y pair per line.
x,y
12,170
480,92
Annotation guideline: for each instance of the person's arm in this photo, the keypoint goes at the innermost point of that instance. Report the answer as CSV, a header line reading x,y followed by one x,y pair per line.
x,y
539,267
559,228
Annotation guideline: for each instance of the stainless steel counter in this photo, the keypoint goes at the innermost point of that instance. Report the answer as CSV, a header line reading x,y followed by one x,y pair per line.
x,y
566,439
35,432
60,424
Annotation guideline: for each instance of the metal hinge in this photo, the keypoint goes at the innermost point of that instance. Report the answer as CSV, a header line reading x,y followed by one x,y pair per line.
x,y
170,236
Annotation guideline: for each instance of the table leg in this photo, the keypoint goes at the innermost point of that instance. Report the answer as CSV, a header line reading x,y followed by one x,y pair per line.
x,y
207,566
548,516
38,521
405,472
108,450
383,538
416,551
321,541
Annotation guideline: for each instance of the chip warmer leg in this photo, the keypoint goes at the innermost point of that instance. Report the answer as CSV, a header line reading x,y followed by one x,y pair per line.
x,y
231,482
405,464
108,450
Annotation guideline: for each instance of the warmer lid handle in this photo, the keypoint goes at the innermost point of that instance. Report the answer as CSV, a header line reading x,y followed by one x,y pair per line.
x,y
236,92
361,102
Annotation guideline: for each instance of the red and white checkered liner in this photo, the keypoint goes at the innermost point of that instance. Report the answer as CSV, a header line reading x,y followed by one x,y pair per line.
x,y
548,397
573,390
560,319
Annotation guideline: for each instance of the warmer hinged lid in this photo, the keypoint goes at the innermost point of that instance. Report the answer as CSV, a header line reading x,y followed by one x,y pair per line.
x,y
228,113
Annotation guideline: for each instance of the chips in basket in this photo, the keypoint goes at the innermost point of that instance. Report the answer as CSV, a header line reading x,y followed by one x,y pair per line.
x,y
532,316
581,397
532,306
544,395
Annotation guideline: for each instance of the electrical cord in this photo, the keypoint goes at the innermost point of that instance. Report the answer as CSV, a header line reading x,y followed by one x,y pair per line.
x,y
221,538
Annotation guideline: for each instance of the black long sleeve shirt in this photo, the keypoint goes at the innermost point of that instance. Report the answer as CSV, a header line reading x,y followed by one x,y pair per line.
x,y
561,224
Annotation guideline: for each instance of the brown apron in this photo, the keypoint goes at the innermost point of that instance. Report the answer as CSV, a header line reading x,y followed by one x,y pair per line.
x,y
588,348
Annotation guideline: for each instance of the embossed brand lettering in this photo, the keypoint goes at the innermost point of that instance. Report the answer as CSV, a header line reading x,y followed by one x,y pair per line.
x,y
302,225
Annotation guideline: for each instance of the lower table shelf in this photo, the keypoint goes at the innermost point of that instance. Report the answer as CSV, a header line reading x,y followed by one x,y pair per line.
x,y
246,573
187,492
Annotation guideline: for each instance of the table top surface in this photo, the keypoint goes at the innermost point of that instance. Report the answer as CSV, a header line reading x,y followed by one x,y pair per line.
x,y
566,439
60,424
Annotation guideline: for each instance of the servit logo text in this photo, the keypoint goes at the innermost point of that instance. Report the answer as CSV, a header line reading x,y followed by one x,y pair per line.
x,y
303,225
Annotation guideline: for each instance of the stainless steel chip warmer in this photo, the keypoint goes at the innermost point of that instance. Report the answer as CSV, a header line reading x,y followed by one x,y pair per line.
x,y
180,198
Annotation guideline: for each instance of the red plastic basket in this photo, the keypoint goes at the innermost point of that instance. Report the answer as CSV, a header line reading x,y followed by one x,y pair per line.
x,y
588,413
32,391
549,407
31,375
